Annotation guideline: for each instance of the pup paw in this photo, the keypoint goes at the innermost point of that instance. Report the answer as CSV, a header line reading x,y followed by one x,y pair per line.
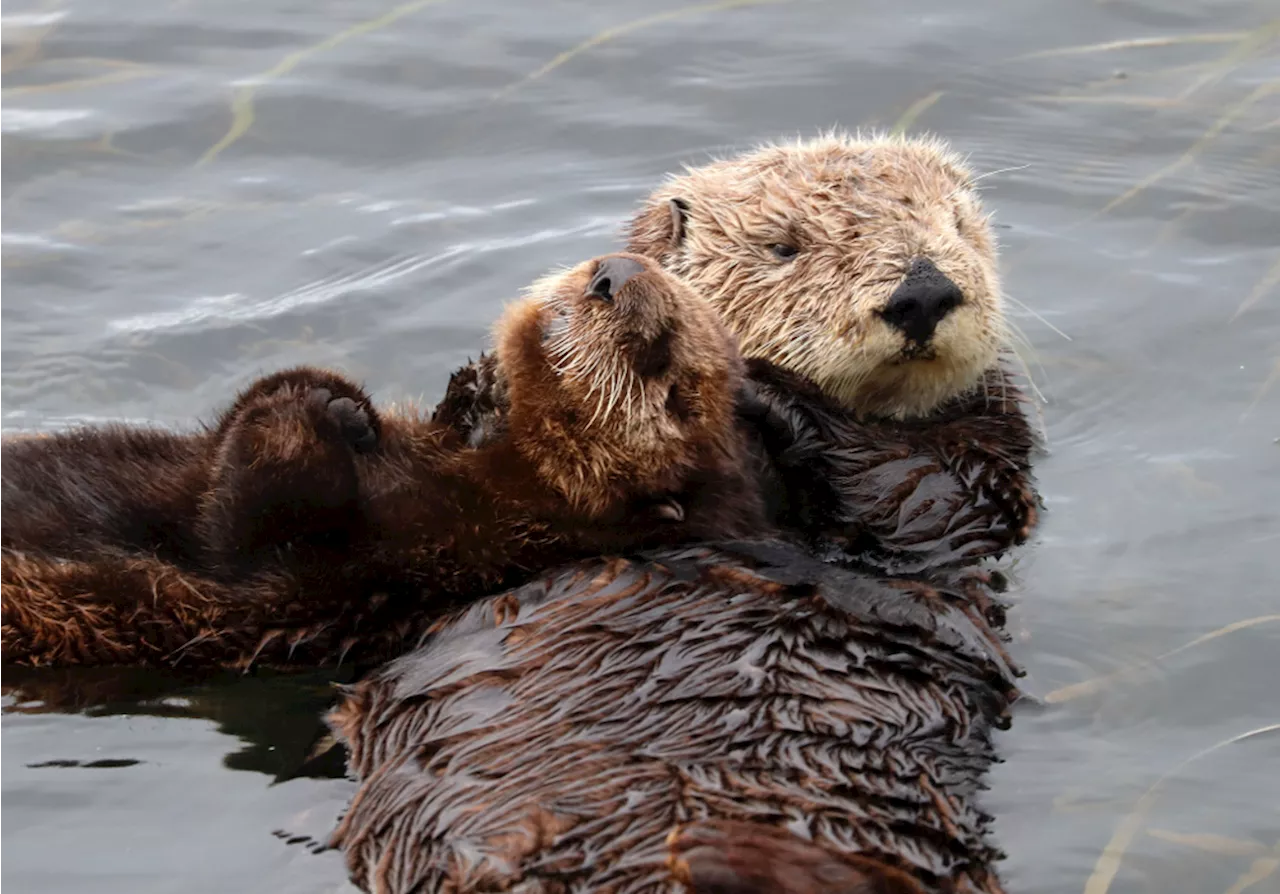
x,y
350,416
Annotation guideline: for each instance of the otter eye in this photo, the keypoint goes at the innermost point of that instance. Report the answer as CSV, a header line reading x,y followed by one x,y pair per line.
x,y
783,251
959,221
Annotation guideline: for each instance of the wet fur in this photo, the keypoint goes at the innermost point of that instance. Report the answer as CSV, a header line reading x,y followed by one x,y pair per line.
x,y
902,495
305,528
728,857
555,737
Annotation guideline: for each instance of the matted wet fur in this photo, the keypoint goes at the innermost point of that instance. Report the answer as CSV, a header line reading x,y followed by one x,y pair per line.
x,y
554,738
728,857
902,495
305,527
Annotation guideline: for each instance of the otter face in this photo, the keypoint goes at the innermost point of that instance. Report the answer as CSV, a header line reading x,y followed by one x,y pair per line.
x,y
621,381
866,265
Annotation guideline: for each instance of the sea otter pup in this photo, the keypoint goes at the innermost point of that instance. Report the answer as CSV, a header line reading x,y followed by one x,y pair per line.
x,y
305,526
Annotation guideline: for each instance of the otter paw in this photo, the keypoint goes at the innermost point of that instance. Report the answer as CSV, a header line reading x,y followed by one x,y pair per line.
x,y
473,402
351,419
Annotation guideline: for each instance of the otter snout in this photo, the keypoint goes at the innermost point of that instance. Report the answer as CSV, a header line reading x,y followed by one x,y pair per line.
x,y
921,301
611,275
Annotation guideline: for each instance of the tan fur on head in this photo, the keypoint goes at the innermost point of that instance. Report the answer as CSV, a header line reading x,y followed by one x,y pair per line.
x,y
857,213
620,396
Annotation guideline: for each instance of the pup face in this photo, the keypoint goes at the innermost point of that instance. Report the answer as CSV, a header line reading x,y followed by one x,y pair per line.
x,y
621,381
866,265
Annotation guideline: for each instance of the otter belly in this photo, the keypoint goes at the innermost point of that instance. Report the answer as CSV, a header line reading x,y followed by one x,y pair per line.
x,y
553,737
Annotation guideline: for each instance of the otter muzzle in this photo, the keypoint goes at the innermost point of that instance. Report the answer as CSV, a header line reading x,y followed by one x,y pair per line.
x,y
921,301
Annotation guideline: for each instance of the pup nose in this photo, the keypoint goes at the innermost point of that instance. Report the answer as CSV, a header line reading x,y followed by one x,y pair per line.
x,y
612,274
921,300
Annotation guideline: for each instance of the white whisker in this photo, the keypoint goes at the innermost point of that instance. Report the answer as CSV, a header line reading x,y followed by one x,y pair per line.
x,y
999,171
614,394
1025,372
599,407
1038,316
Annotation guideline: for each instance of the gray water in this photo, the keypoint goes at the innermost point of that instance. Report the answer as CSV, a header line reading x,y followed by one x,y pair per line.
x,y
196,192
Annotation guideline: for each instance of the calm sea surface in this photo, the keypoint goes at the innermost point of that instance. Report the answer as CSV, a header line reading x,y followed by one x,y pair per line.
x,y
195,192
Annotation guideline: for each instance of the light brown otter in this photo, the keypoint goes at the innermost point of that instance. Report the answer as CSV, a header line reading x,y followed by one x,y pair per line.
x,y
604,705
305,527
866,265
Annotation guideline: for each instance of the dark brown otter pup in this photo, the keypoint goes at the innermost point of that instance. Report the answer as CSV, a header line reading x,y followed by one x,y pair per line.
x,y
552,738
304,526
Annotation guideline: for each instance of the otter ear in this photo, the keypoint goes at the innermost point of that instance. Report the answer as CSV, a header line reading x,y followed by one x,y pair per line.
x,y
658,229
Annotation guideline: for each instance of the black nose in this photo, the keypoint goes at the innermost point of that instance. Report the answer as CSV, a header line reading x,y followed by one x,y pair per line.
x,y
612,274
921,301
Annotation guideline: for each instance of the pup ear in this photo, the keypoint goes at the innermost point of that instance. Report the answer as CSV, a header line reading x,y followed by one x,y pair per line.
x,y
658,229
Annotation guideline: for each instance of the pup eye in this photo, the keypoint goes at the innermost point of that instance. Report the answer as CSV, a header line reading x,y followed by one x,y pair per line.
x,y
783,251
959,221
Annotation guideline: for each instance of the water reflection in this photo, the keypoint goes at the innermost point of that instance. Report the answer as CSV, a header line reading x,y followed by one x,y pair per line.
x,y
277,718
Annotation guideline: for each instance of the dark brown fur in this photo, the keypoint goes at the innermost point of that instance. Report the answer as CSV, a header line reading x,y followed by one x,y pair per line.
x,y
551,739
727,857
908,495
304,527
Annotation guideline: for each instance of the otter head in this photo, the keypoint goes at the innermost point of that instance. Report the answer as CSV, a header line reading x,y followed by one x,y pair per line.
x,y
620,383
866,265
